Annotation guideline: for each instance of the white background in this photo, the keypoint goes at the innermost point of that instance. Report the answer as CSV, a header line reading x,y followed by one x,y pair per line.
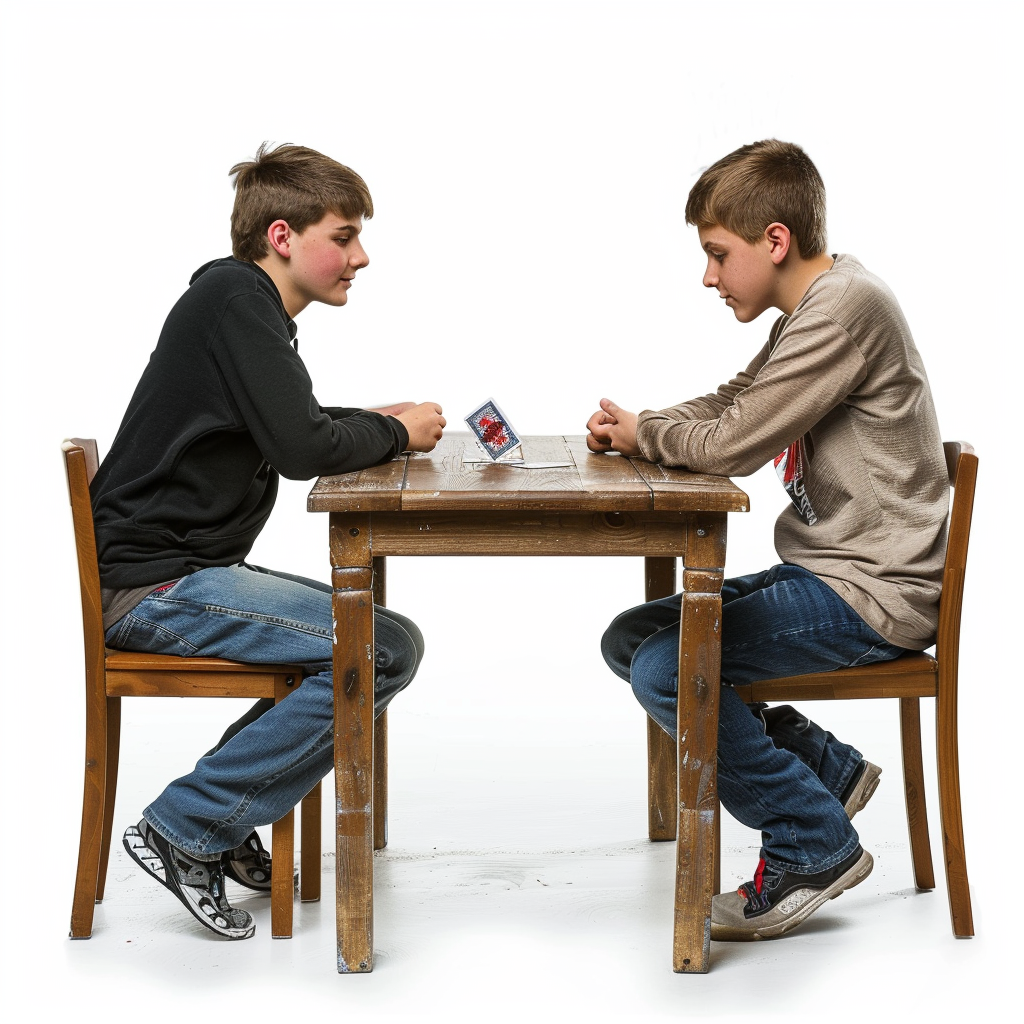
x,y
529,164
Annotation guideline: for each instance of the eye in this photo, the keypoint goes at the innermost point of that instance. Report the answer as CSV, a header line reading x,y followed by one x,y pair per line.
x,y
719,256
343,239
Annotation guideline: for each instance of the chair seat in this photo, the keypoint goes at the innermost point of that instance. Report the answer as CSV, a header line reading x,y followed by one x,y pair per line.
x,y
912,675
139,661
138,674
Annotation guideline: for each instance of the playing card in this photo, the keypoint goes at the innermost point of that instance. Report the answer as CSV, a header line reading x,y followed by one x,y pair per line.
x,y
492,429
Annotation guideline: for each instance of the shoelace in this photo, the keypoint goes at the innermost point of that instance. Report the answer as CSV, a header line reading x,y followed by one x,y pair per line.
x,y
755,892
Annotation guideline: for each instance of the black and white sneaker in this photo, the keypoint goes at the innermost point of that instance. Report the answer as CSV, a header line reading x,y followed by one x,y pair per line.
x,y
776,901
860,788
249,864
198,884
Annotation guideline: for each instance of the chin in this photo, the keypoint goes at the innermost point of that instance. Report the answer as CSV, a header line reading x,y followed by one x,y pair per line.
x,y
745,316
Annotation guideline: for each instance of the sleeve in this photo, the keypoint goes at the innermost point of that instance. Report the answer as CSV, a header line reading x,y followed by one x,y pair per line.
x,y
808,367
339,412
271,388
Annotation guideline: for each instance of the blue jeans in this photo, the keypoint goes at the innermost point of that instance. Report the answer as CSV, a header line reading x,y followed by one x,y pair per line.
x,y
272,757
778,772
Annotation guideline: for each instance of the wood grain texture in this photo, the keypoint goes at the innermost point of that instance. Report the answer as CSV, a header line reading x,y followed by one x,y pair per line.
x,y
441,479
908,678
538,532
681,489
914,792
282,905
913,675
379,487
700,639
309,824
109,675
660,581
605,505
380,730
353,738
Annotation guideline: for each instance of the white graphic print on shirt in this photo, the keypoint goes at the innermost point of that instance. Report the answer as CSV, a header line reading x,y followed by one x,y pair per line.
x,y
790,467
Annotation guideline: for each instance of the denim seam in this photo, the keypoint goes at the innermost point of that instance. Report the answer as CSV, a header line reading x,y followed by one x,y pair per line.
x,y
272,620
131,619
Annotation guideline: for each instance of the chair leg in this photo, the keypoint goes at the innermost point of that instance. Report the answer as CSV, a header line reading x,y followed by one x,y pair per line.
x,y
310,826
113,756
913,788
94,800
380,781
282,883
950,814
718,853
661,783
662,794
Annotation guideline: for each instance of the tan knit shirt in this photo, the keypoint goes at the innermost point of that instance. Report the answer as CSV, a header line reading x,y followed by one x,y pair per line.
x,y
843,375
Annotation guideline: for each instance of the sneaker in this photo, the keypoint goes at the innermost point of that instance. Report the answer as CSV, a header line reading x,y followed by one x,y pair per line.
x,y
860,788
248,864
199,884
776,901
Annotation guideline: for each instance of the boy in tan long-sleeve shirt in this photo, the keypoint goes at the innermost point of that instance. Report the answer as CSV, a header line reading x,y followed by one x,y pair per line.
x,y
839,398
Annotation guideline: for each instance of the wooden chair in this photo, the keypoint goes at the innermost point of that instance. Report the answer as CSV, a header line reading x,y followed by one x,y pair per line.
x,y
909,678
111,675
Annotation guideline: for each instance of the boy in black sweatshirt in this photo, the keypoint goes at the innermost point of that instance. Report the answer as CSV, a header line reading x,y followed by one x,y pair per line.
x,y
225,406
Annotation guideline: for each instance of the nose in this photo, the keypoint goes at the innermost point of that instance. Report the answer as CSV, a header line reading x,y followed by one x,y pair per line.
x,y
357,256
711,274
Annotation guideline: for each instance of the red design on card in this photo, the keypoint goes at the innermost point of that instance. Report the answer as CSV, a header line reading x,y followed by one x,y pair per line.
x,y
494,431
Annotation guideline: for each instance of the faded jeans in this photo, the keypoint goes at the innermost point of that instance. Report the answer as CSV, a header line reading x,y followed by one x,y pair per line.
x,y
274,755
778,772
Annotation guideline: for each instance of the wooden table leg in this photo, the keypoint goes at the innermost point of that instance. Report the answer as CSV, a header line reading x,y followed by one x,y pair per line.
x,y
660,581
380,730
700,654
353,737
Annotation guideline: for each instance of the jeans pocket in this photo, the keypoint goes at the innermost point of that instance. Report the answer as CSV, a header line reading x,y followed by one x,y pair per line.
x,y
132,633
879,652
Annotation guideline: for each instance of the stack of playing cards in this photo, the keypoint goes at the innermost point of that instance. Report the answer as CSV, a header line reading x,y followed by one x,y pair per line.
x,y
498,441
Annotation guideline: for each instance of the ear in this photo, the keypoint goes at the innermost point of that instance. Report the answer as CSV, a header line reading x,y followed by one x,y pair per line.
x,y
778,238
279,235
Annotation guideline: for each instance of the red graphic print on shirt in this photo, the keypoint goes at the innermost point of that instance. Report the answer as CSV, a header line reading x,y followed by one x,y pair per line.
x,y
790,467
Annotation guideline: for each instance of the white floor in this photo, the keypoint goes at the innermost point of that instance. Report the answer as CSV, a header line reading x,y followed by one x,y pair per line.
x,y
518,882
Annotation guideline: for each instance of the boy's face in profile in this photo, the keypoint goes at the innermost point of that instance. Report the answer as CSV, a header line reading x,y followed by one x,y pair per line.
x,y
324,258
743,272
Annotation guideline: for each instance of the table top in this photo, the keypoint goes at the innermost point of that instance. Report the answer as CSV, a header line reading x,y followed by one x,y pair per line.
x,y
441,479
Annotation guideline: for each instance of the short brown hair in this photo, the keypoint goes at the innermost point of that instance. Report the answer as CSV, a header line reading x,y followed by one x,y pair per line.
x,y
758,185
291,183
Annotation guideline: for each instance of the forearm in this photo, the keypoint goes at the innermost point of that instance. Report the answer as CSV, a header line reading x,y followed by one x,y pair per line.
x,y
774,402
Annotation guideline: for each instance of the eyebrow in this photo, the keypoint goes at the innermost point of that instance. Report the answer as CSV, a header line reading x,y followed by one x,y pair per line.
x,y
710,244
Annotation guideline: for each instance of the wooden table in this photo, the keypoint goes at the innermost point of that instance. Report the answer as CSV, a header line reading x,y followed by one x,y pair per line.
x,y
435,504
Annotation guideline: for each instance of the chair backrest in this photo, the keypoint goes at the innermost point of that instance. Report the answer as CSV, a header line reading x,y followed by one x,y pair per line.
x,y
962,466
81,460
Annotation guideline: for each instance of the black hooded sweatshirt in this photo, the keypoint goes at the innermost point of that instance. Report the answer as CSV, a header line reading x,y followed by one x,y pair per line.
x,y
224,406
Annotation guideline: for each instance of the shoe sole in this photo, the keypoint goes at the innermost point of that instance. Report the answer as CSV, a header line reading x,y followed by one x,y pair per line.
x,y
241,870
864,790
200,906
854,876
